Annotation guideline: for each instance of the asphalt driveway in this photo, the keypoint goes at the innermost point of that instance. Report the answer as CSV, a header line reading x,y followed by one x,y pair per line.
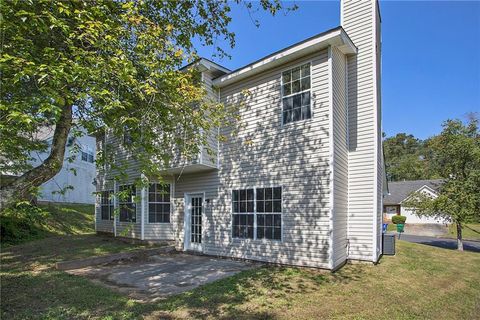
x,y
441,242
163,275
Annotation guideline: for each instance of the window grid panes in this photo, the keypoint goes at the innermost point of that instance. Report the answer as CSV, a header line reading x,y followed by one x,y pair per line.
x,y
106,205
87,156
196,220
243,213
127,204
159,203
269,213
259,220
296,97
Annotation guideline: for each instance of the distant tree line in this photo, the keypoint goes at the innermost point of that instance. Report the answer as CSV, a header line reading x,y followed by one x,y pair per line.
x,y
409,158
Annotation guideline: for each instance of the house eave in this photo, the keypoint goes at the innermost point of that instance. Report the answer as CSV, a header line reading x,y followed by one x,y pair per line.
x,y
203,64
336,37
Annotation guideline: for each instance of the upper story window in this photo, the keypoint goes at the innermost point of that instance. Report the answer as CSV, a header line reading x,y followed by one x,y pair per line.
x,y
87,155
159,203
296,94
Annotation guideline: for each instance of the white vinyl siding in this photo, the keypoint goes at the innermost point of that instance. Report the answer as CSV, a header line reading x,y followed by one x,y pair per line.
x,y
363,174
266,153
328,166
340,157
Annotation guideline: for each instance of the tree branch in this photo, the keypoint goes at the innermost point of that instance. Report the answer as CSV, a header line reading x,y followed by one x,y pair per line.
x,y
22,186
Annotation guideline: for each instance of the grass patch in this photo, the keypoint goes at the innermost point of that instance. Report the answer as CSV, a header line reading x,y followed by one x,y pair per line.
x,y
26,223
430,283
470,231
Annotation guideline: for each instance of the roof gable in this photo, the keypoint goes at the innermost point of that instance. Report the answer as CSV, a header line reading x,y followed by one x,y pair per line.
x,y
400,190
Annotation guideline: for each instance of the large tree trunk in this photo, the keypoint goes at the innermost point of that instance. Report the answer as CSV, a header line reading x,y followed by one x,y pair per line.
x,y
459,237
22,187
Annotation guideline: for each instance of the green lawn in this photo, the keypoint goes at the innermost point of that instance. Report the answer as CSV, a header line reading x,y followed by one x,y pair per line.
x,y
419,282
470,231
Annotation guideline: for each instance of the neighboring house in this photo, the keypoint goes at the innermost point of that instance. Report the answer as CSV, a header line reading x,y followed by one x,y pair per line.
x,y
75,181
302,181
399,191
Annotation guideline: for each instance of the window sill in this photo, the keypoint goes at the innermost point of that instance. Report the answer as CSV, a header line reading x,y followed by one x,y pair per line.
x,y
256,241
160,223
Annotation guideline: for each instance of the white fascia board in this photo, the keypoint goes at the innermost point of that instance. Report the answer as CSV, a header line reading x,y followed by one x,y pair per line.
x,y
426,188
203,65
212,66
337,38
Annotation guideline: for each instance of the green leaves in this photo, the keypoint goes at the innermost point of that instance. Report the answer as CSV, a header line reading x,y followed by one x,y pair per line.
x,y
118,64
456,151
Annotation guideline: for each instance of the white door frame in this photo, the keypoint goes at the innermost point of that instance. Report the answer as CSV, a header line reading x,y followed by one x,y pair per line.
x,y
187,245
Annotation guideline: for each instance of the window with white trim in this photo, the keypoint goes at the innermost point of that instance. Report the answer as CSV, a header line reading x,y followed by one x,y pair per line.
x,y
126,202
257,213
106,205
269,213
159,203
87,154
296,94
243,213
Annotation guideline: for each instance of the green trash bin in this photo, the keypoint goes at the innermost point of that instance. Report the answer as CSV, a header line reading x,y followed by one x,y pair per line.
x,y
400,227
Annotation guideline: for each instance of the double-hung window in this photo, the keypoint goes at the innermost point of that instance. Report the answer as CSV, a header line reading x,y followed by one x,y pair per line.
x,y
106,205
243,213
257,213
159,203
296,94
127,203
269,213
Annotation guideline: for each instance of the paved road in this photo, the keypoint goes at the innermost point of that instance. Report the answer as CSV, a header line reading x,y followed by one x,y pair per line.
x,y
442,242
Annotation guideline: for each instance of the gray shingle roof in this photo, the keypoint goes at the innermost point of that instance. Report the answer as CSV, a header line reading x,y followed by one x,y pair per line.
x,y
399,190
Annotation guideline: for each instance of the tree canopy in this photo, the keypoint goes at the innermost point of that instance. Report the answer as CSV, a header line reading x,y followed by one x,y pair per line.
x,y
107,64
408,158
456,154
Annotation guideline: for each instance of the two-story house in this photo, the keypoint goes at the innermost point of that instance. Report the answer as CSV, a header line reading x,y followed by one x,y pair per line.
x,y
306,189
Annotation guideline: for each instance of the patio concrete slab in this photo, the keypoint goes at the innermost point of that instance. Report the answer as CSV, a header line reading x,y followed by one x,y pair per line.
x,y
162,275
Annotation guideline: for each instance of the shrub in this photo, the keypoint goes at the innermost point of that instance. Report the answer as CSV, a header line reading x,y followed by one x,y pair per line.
x,y
398,219
20,223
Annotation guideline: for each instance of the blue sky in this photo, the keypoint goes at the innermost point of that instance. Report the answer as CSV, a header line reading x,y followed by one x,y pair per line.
x,y
431,55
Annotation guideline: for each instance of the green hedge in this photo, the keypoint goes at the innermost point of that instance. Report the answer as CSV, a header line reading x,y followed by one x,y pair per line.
x,y
398,219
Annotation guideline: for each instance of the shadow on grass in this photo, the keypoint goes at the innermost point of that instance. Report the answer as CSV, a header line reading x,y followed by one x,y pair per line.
x,y
268,288
44,253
